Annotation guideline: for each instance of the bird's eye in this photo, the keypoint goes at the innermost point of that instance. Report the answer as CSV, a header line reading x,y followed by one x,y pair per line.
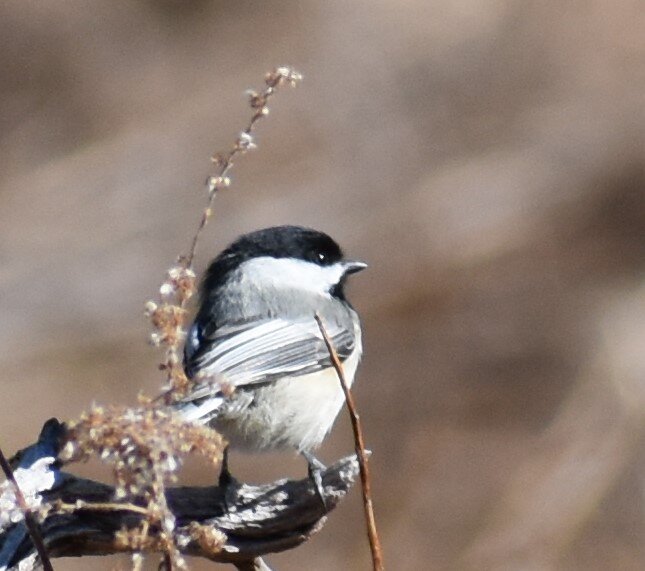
x,y
321,257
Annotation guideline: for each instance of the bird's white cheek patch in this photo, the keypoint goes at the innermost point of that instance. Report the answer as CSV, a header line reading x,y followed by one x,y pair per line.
x,y
291,273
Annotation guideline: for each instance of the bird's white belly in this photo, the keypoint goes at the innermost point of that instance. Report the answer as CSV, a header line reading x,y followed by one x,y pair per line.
x,y
289,413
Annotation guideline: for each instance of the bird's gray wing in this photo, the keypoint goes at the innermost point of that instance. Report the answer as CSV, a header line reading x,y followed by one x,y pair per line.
x,y
259,351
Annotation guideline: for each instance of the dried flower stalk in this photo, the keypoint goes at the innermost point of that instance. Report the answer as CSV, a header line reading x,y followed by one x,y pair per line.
x,y
169,315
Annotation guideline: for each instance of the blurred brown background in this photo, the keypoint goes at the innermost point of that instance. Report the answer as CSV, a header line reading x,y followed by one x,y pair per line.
x,y
487,160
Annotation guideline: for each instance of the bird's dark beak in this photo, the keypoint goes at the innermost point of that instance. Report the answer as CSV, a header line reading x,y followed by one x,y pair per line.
x,y
352,267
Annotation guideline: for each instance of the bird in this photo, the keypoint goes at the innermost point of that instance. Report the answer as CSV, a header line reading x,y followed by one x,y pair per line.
x,y
261,373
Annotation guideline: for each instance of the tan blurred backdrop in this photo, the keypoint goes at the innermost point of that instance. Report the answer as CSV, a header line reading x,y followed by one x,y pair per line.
x,y
487,160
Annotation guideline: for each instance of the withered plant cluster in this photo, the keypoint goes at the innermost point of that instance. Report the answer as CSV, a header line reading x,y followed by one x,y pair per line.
x,y
145,444
169,314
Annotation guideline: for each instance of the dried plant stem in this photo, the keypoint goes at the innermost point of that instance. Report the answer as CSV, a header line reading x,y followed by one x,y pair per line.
x,y
169,317
30,522
363,461
243,143
101,507
138,557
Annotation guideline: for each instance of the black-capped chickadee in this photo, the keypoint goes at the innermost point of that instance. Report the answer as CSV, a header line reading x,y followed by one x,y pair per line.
x,y
263,375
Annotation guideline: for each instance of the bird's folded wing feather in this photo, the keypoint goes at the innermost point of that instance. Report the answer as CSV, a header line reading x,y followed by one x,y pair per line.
x,y
258,351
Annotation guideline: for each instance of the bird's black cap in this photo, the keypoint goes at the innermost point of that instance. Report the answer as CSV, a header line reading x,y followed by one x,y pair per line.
x,y
277,242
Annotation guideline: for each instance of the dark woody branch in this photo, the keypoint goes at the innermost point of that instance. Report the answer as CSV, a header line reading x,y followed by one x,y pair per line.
x,y
254,520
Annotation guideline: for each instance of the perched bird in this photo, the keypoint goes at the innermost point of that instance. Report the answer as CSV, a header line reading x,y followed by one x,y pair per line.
x,y
263,375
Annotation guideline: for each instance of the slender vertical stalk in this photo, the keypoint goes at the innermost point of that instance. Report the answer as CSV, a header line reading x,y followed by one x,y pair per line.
x,y
363,461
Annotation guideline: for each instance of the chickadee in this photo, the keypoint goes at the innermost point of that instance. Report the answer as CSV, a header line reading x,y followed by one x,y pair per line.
x,y
263,375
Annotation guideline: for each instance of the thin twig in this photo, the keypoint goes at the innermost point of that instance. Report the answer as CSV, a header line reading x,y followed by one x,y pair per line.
x,y
139,556
243,143
32,526
100,507
363,462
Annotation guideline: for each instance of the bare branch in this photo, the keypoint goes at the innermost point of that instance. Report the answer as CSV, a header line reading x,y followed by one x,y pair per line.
x,y
361,453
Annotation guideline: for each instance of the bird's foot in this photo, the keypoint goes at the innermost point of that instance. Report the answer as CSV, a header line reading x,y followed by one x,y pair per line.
x,y
227,483
316,468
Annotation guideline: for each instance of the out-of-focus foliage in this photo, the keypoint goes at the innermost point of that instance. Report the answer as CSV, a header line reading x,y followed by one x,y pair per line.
x,y
486,159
